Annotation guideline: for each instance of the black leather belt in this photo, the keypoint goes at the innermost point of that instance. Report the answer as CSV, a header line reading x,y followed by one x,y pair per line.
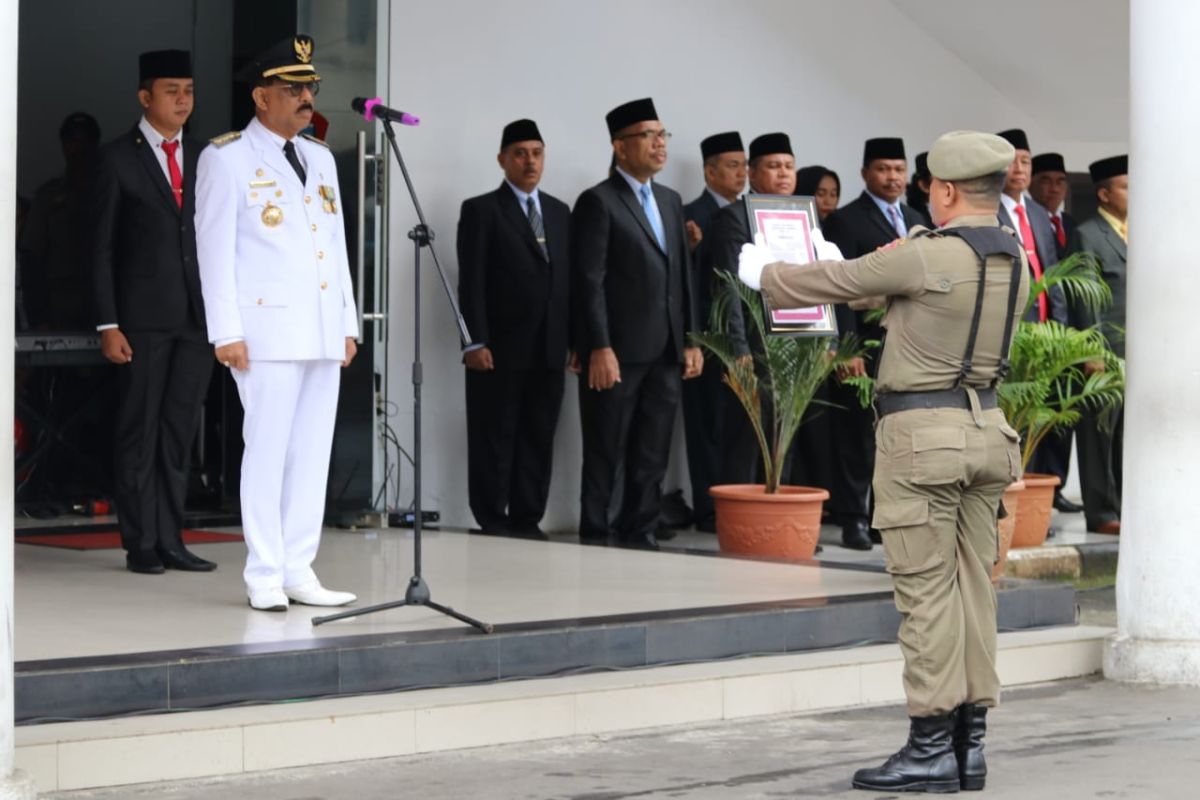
x,y
892,402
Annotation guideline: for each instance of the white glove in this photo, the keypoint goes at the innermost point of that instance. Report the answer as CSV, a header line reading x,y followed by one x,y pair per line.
x,y
752,260
826,250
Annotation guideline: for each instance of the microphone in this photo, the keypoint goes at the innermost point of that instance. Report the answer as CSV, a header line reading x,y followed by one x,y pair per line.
x,y
373,108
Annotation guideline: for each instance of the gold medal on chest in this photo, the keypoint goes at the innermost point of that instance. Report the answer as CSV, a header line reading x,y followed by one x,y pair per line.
x,y
272,216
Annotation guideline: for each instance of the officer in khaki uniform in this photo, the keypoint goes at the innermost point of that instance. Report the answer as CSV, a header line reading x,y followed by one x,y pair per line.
x,y
280,310
944,452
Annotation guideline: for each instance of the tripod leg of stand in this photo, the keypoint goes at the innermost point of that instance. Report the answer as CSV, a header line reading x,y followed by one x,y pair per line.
x,y
354,612
486,627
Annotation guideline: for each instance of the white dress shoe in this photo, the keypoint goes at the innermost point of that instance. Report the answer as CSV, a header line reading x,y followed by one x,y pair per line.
x,y
269,600
314,594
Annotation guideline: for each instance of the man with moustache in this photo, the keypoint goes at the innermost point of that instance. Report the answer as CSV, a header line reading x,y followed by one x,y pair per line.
x,y
1048,187
873,220
1101,441
148,305
772,171
513,285
635,305
280,309
724,179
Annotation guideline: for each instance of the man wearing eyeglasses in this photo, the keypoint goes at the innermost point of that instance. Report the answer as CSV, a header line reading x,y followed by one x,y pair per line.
x,y
635,308
281,316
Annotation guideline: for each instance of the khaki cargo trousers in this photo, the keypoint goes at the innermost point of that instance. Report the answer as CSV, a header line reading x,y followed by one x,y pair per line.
x,y
939,475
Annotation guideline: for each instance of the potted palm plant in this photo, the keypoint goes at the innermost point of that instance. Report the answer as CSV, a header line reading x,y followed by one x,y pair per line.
x,y
1055,373
775,386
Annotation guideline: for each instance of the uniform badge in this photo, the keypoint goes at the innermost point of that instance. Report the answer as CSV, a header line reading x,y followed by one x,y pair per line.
x,y
328,200
272,216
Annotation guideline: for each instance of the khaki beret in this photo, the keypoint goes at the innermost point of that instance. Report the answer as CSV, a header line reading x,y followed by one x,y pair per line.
x,y
963,155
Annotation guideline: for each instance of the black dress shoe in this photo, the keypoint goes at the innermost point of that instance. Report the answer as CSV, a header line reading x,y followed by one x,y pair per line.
x,y
144,564
970,725
1066,506
665,534
856,535
644,541
926,763
528,532
597,539
185,561
876,536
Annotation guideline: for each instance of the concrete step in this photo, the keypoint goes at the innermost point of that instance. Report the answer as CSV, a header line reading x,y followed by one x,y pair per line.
x,y
81,755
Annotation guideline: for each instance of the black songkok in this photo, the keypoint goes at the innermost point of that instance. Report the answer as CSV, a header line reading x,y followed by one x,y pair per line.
x,y
1016,137
523,130
721,143
886,147
1107,168
630,113
1049,162
770,143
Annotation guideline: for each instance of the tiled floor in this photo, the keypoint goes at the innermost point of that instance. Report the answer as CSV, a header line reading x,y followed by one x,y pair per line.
x,y
83,603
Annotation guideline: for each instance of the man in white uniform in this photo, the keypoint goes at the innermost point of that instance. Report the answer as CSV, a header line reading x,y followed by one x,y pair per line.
x,y
280,310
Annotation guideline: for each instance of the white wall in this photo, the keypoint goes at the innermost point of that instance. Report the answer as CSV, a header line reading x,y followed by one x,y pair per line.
x,y
829,74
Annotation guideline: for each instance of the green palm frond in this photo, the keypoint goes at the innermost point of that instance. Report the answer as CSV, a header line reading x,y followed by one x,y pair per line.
x,y
1050,385
786,371
1079,277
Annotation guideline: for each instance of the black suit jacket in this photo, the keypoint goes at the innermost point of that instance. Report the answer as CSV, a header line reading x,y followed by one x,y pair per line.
x,y
144,271
1047,250
730,230
632,296
513,299
702,211
859,228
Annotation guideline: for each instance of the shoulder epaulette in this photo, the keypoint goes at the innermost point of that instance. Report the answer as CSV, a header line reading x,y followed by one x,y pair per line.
x,y
315,140
919,231
225,138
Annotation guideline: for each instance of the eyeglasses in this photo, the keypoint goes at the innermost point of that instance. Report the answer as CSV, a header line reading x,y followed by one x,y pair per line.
x,y
646,136
297,89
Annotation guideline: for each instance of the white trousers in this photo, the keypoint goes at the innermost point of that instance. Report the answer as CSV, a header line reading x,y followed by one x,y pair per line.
x,y
288,432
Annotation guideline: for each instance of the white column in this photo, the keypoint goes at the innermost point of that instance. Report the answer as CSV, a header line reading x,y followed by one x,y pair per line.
x,y
1158,617
13,784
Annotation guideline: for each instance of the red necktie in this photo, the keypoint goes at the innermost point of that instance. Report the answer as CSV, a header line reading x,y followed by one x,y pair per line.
x,y
1060,233
173,168
1034,264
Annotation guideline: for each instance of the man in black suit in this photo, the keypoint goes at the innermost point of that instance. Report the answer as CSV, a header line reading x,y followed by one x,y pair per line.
x,y
1101,442
772,171
1031,222
1048,187
873,220
632,265
514,272
703,399
148,305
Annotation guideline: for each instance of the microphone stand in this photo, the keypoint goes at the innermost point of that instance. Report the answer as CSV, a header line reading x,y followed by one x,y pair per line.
x,y
418,593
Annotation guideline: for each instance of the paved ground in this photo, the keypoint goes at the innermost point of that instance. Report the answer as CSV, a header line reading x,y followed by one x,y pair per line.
x,y
1076,739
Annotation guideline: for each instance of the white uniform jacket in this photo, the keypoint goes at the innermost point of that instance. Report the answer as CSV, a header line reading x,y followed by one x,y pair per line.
x,y
273,265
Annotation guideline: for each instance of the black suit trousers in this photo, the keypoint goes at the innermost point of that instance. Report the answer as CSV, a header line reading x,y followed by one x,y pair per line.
x,y
1101,450
511,418
160,394
703,420
853,429
631,422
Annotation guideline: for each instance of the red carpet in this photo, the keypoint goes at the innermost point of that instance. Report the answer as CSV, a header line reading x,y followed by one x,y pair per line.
x,y
111,540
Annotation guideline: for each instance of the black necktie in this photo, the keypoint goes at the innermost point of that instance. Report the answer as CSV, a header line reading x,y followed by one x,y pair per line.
x,y
289,151
535,221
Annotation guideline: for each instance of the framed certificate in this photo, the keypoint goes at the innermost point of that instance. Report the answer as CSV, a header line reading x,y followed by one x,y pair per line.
x,y
786,223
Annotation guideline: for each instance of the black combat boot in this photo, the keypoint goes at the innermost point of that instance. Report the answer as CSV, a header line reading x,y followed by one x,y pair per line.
x,y
925,764
969,728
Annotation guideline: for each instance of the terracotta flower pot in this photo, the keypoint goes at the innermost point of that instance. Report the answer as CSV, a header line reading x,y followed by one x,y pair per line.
x,y
1007,525
782,525
1033,510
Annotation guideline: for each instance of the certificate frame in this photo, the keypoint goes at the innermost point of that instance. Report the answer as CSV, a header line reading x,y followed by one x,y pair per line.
x,y
786,223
